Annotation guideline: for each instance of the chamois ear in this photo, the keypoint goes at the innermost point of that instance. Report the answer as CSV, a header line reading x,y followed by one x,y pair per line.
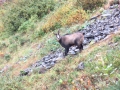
x,y
59,32
57,36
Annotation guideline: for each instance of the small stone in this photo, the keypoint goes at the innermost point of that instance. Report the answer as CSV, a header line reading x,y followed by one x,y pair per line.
x,y
48,61
105,32
97,34
52,63
76,50
72,48
105,15
85,42
39,46
43,64
88,35
80,66
36,65
96,39
72,52
54,60
48,67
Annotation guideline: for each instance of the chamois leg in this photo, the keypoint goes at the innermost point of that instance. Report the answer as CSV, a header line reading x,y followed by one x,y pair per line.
x,y
66,51
80,47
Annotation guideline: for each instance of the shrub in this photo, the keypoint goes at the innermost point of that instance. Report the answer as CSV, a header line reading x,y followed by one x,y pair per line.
x,y
37,34
9,83
115,86
19,14
13,47
75,16
66,14
7,57
54,19
117,38
29,24
89,4
2,45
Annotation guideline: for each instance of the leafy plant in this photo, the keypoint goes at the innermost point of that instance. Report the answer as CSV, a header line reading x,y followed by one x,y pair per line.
x,y
115,86
13,47
29,24
7,57
2,45
117,38
18,16
89,4
8,83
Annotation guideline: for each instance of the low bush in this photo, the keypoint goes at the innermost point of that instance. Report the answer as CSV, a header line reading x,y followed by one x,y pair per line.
x,y
117,38
115,86
89,4
7,57
66,15
10,83
17,17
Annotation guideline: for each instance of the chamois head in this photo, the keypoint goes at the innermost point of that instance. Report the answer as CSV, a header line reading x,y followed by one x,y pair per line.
x,y
57,35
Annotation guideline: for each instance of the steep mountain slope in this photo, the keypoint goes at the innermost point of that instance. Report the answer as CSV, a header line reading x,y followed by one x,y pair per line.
x,y
40,57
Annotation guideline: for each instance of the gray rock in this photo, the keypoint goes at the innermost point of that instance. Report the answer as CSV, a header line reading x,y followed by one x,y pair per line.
x,y
85,41
52,63
97,34
48,66
80,66
106,15
105,32
39,46
54,60
36,65
72,52
76,50
48,60
88,35
96,39
26,72
43,64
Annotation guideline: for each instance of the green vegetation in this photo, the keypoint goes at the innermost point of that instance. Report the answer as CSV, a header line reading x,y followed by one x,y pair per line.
x,y
114,86
26,30
91,4
22,15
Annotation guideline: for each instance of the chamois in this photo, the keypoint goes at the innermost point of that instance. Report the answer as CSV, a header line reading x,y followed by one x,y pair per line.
x,y
69,40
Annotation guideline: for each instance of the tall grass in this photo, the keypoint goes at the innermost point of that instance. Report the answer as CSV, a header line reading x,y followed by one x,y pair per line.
x,y
16,14
90,4
66,15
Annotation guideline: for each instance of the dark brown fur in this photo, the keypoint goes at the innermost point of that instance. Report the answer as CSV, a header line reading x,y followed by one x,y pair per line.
x,y
69,40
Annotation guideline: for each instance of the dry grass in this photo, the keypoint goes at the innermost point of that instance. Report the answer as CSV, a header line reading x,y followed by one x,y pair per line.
x,y
67,14
1,26
91,4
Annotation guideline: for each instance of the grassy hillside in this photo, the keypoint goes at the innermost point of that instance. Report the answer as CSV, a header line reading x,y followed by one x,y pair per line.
x,y
101,70
26,35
